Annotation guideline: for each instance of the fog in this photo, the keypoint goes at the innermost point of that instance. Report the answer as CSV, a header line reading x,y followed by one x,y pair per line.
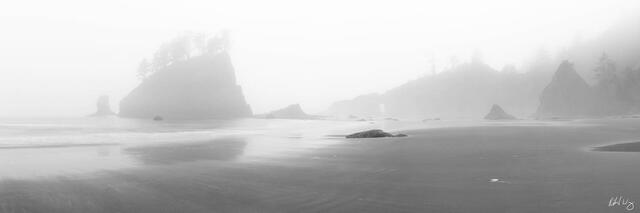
x,y
58,57
319,106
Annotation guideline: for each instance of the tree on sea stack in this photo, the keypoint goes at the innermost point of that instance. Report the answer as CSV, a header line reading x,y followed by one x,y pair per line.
x,y
160,58
609,84
182,48
144,69
187,79
605,70
219,43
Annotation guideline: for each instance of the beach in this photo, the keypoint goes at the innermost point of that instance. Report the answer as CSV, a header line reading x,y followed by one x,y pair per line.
x,y
307,166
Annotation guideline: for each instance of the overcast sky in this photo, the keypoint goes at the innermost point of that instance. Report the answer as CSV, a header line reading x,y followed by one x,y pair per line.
x,y
57,57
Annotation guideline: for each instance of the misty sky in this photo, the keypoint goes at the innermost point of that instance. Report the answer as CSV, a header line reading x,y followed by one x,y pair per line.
x,y
57,57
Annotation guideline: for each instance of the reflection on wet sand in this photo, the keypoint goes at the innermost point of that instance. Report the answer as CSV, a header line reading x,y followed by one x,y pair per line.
x,y
220,150
67,160
51,160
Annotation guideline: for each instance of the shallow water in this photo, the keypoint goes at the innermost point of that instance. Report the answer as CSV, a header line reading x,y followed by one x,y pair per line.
x,y
69,146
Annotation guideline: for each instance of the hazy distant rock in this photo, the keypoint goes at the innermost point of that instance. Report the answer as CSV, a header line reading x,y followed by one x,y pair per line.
x,y
566,95
361,106
497,113
293,111
201,87
158,118
465,90
374,133
103,107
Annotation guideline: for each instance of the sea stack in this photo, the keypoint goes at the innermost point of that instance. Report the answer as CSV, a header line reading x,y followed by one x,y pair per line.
x,y
201,87
567,95
293,111
497,113
103,106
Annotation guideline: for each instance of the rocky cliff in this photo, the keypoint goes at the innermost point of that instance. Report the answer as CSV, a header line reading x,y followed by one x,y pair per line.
x,y
201,87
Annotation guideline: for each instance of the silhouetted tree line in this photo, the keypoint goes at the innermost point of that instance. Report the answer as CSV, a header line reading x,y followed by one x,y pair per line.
x,y
182,48
616,85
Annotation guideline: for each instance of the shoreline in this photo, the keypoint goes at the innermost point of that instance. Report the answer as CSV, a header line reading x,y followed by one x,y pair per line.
x,y
491,168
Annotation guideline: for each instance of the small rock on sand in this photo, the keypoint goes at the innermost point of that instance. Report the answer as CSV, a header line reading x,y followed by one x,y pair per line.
x,y
374,133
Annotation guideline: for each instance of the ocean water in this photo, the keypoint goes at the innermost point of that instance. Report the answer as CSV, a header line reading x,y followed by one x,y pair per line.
x,y
87,131
49,132
36,147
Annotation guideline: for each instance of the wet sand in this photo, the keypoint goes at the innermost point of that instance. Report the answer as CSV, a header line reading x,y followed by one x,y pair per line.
x,y
620,147
541,168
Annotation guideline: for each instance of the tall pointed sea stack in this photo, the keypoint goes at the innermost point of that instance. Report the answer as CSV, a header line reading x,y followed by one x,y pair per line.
x,y
497,113
568,95
103,107
202,87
